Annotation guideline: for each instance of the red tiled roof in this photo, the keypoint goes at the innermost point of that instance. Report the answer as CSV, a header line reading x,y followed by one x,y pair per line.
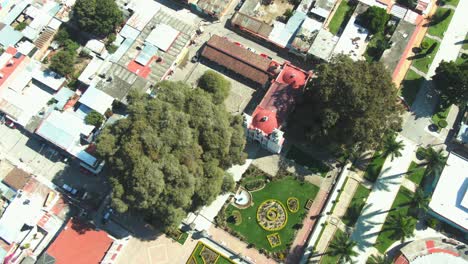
x,y
8,69
140,70
17,178
75,246
264,120
292,76
238,59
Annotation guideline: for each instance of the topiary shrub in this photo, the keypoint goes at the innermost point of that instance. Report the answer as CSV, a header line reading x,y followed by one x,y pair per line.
x,y
424,45
442,123
421,153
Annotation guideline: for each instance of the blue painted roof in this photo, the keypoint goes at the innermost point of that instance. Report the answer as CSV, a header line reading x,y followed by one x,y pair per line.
x,y
9,36
146,54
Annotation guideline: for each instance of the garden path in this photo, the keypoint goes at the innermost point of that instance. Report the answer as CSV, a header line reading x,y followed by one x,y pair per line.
x,y
380,201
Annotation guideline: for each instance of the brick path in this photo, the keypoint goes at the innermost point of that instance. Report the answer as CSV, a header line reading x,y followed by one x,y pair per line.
x,y
297,248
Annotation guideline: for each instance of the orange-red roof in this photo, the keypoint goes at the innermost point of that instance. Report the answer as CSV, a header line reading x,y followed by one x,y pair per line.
x,y
9,68
79,243
265,120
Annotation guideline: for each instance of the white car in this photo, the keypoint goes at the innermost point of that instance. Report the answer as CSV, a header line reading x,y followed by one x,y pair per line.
x,y
252,50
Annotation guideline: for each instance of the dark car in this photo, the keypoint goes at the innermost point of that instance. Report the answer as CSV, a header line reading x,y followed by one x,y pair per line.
x,y
239,5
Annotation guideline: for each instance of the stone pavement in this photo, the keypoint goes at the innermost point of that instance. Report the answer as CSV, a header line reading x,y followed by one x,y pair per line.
x,y
417,122
380,201
227,240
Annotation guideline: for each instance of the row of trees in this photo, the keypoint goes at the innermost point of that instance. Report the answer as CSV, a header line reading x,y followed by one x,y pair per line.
x,y
170,154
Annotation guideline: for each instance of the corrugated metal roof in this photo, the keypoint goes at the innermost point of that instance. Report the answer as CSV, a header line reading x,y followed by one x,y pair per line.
x,y
9,36
146,54
96,100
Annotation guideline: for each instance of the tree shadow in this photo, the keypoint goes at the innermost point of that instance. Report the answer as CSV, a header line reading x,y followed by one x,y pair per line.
x,y
437,18
81,226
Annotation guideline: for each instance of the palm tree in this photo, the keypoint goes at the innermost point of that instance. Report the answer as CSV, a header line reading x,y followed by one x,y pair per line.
x,y
392,147
435,161
402,225
420,200
379,259
343,247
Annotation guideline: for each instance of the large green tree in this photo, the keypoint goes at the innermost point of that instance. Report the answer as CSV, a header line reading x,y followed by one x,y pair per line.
x,y
343,247
402,226
99,17
350,104
451,81
374,19
215,84
170,154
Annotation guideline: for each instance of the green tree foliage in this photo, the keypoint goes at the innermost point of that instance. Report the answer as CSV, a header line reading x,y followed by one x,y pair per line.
x,y
451,81
94,118
228,184
374,19
169,155
99,17
435,162
392,147
379,259
62,62
420,200
215,84
62,35
350,104
343,247
402,226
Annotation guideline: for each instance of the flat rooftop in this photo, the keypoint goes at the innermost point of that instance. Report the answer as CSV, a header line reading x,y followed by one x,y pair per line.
x,y
323,45
265,13
353,40
252,24
450,197
399,40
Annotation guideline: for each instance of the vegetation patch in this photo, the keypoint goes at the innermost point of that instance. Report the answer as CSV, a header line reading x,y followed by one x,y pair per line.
x,y
278,192
439,118
203,254
342,15
274,240
415,173
357,204
271,215
375,166
235,218
178,235
410,86
440,22
387,236
329,258
293,204
423,60
304,159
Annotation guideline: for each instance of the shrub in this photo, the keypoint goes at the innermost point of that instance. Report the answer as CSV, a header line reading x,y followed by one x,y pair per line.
x,y
228,184
112,48
21,26
254,185
442,123
424,45
421,153
288,14
432,223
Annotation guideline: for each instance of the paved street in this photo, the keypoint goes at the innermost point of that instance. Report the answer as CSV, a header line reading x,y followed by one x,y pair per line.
x,y
380,201
417,122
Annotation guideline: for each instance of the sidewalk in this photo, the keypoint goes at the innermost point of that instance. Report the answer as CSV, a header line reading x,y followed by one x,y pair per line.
x,y
380,201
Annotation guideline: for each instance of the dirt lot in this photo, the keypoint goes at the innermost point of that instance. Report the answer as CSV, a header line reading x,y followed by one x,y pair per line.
x,y
269,13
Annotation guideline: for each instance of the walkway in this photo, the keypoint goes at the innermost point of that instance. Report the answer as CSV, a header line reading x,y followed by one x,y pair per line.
x,y
380,201
417,122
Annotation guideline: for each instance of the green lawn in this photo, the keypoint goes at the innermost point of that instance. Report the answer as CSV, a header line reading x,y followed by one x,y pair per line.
x,y
329,259
410,86
439,28
452,2
358,201
280,190
199,260
415,173
423,61
341,16
384,239
375,166
465,43
460,59
307,161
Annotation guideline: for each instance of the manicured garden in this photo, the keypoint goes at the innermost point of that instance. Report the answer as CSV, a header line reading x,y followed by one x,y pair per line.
x,y
357,204
410,86
385,240
423,60
327,258
277,212
310,163
341,16
439,118
203,254
374,167
440,23
415,173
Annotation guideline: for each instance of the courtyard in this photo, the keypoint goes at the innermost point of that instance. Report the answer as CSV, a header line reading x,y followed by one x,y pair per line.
x,y
276,210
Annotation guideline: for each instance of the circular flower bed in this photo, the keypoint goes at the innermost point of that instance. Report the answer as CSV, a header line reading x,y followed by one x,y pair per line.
x,y
293,204
271,215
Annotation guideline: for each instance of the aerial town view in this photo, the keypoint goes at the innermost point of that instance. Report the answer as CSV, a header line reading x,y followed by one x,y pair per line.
x,y
233,131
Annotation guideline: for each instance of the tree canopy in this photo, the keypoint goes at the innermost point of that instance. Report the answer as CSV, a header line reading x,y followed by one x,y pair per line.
x,y
99,17
94,118
350,104
374,19
169,155
215,84
451,81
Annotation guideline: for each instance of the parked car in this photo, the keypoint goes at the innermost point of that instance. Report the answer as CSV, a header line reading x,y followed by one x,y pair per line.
x,y
195,58
10,124
265,56
107,216
70,189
